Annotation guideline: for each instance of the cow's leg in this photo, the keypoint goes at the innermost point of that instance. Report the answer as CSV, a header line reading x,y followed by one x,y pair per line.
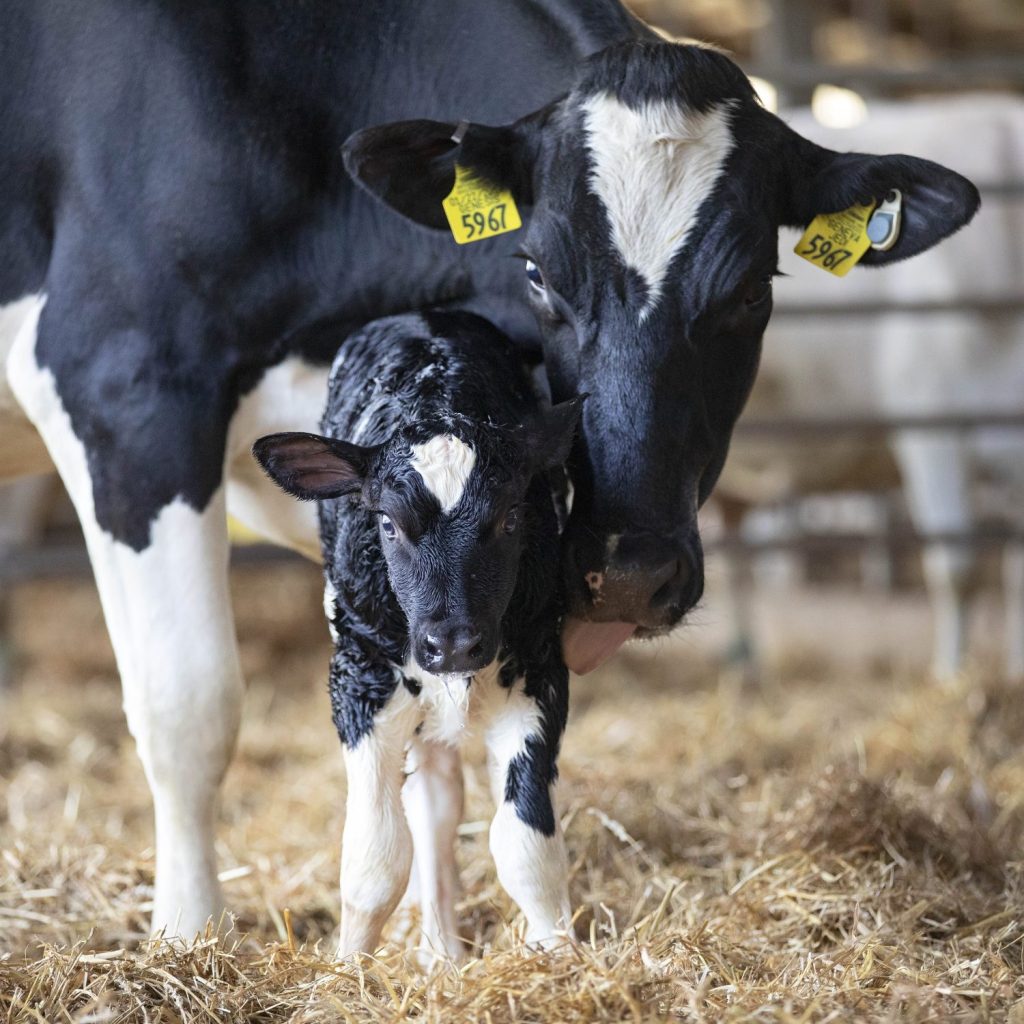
x,y
526,836
938,490
433,799
741,649
1013,592
161,569
376,850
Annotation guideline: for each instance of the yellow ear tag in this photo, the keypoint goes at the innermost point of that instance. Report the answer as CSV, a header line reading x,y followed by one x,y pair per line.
x,y
476,209
837,241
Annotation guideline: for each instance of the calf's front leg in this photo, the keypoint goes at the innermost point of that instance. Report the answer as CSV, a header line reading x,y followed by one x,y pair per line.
x,y
376,852
526,836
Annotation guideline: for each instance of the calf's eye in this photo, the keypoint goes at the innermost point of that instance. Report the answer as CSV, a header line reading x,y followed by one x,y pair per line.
x,y
387,527
534,276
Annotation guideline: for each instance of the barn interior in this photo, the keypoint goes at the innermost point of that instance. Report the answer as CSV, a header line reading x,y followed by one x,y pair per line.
x,y
807,805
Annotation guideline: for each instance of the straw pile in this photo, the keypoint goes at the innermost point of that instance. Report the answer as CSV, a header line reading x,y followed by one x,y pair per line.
x,y
824,847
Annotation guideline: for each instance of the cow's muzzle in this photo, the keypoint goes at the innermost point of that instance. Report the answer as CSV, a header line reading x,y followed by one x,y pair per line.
x,y
624,585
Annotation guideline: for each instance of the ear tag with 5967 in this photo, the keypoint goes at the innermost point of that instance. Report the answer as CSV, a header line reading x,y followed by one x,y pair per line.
x,y
837,241
477,209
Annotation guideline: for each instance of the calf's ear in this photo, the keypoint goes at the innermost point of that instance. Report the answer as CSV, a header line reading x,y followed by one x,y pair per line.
x,y
410,165
313,467
551,436
936,200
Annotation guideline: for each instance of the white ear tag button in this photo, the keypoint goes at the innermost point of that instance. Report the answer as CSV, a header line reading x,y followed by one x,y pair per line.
x,y
884,225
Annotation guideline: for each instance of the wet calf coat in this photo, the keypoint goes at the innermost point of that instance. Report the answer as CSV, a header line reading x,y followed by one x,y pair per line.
x,y
440,543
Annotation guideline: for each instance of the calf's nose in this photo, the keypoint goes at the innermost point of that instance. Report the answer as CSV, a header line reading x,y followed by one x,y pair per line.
x,y
445,648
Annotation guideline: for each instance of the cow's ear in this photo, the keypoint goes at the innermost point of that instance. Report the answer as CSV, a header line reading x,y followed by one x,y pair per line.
x,y
313,467
936,200
410,165
551,435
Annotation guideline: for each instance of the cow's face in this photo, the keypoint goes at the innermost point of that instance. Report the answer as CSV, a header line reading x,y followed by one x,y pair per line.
x,y
652,196
452,517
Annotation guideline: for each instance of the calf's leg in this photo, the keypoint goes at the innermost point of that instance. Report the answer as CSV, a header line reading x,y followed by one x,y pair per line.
x,y
526,836
433,800
376,851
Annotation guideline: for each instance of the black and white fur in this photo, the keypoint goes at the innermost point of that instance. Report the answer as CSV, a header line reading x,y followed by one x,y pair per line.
x,y
440,543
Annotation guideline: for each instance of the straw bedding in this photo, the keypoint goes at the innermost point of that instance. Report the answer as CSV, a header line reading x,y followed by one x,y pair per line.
x,y
825,846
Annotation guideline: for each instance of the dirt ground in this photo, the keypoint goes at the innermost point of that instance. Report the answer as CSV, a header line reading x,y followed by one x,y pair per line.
x,y
839,842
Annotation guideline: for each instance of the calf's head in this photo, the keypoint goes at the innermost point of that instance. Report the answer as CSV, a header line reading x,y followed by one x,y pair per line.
x,y
453,516
652,196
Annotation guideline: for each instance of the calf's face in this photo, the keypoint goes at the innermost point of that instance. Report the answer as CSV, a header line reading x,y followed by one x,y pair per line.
x,y
652,195
452,517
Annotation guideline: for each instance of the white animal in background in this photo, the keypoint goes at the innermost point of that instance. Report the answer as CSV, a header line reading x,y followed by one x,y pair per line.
x,y
914,363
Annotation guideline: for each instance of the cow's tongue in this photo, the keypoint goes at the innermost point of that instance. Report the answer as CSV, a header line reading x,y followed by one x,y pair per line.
x,y
586,645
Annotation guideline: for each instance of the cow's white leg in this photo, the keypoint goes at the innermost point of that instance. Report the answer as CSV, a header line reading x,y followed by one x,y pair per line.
x,y
433,799
1013,592
526,836
376,851
948,574
937,481
169,617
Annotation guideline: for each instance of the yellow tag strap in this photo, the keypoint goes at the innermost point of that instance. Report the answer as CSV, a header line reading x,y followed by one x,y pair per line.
x,y
837,241
476,209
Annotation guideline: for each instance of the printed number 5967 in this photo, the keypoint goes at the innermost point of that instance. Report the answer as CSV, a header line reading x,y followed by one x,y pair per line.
x,y
477,223
820,248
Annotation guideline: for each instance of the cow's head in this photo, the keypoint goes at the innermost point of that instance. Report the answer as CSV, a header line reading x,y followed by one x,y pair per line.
x,y
454,510
652,196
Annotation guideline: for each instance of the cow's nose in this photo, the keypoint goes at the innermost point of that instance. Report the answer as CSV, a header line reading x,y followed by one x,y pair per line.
x,y
644,579
447,648
675,587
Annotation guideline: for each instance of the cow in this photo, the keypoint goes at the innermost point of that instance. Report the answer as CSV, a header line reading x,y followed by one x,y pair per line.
x,y
186,249
440,539
968,361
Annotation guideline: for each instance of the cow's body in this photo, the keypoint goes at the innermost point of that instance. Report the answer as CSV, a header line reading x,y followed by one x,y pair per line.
x,y
186,249
913,364
443,399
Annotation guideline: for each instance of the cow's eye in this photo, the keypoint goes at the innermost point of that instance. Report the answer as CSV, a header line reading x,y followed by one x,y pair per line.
x,y
387,527
513,517
758,293
534,276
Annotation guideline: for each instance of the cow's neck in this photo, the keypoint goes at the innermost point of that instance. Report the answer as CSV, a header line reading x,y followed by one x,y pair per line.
x,y
353,260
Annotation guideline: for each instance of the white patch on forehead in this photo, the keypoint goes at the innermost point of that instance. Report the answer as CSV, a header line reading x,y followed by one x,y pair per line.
x,y
445,463
652,168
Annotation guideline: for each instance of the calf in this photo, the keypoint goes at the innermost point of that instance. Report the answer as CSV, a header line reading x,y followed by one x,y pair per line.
x,y
441,557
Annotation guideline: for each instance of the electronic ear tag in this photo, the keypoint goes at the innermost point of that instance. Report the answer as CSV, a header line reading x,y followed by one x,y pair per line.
x,y
477,209
836,241
884,225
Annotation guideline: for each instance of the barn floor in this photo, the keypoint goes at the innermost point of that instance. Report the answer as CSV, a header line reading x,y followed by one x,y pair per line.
x,y
831,845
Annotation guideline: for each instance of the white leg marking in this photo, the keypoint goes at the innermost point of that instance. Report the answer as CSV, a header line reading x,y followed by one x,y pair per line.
x,y
23,449
433,795
290,396
533,868
652,169
445,463
376,852
169,616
